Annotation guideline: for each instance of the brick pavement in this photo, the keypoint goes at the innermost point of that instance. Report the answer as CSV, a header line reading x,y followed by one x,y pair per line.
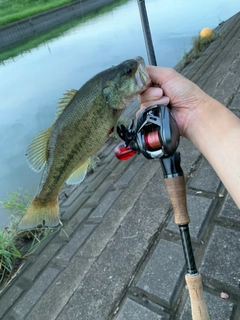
x,y
121,255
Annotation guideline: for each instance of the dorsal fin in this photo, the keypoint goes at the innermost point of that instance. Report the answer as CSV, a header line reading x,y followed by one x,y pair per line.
x,y
37,152
78,175
64,102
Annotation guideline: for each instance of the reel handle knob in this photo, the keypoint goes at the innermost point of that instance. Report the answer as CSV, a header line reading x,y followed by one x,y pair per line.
x,y
123,153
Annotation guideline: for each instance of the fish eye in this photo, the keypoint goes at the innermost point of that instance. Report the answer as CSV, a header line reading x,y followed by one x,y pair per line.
x,y
129,70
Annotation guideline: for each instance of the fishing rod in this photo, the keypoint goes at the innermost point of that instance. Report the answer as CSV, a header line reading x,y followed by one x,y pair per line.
x,y
156,135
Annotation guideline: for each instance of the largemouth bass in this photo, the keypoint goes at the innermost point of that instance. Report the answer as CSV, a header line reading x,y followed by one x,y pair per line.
x,y
83,121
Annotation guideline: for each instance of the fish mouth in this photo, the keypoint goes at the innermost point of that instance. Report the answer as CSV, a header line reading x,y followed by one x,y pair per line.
x,y
142,78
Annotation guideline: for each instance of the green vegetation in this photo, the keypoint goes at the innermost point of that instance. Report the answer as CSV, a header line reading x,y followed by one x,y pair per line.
x,y
8,253
16,246
14,10
28,45
15,205
199,44
54,33
17,201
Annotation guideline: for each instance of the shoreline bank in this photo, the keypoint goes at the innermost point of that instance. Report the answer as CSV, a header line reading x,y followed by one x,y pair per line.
x,y
27,28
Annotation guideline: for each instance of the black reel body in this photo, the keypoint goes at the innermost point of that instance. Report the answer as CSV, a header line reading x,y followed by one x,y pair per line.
x,y
155,134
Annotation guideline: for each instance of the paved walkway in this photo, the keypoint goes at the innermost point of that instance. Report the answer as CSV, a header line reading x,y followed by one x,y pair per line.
x,y
123,257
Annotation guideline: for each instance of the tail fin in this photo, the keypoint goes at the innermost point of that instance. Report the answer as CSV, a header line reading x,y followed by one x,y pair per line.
x,y
40,215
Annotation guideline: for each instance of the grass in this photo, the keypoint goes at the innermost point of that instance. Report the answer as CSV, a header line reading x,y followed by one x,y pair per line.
x,y
18,201
30,44
8,253
15,205
16,246
14,10
198,46
50,35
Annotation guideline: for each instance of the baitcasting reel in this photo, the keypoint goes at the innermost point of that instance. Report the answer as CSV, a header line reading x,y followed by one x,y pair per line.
x,y
155,135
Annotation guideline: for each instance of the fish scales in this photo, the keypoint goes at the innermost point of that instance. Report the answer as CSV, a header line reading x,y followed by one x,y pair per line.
x,y
79,131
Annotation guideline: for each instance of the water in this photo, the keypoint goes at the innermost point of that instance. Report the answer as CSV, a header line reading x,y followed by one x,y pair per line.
x,y
32,82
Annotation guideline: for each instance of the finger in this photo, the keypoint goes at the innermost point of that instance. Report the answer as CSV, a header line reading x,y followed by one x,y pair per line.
x,y
161,75
163,101
140,110
152,93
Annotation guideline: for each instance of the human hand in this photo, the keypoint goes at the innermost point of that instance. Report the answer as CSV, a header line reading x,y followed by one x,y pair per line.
x,y
185,97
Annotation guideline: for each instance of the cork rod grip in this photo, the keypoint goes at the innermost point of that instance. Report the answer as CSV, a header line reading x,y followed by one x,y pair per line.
x,y
198,304
177,193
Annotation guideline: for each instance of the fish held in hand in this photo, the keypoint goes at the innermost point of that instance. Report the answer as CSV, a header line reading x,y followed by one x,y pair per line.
x,y
84,118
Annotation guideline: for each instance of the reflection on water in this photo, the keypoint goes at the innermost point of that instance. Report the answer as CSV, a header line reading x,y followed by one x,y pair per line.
x,y
32,83
47,37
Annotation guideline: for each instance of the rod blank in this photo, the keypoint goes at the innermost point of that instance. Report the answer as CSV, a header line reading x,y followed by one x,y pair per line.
x,y
147,33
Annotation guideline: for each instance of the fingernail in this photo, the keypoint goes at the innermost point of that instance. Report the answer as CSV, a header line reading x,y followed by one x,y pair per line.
x,y
157,92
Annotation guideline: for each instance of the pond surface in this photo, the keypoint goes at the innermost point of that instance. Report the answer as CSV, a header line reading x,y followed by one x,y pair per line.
x,y
32,82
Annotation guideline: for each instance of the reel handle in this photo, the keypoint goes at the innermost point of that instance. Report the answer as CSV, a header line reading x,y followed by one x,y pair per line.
x,y
123,153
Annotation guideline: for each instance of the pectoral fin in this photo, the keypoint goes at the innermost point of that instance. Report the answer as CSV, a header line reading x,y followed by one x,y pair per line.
x,y
37,152
78,175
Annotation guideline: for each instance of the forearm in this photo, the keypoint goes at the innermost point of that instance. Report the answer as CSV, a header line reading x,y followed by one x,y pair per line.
x,y
215,131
